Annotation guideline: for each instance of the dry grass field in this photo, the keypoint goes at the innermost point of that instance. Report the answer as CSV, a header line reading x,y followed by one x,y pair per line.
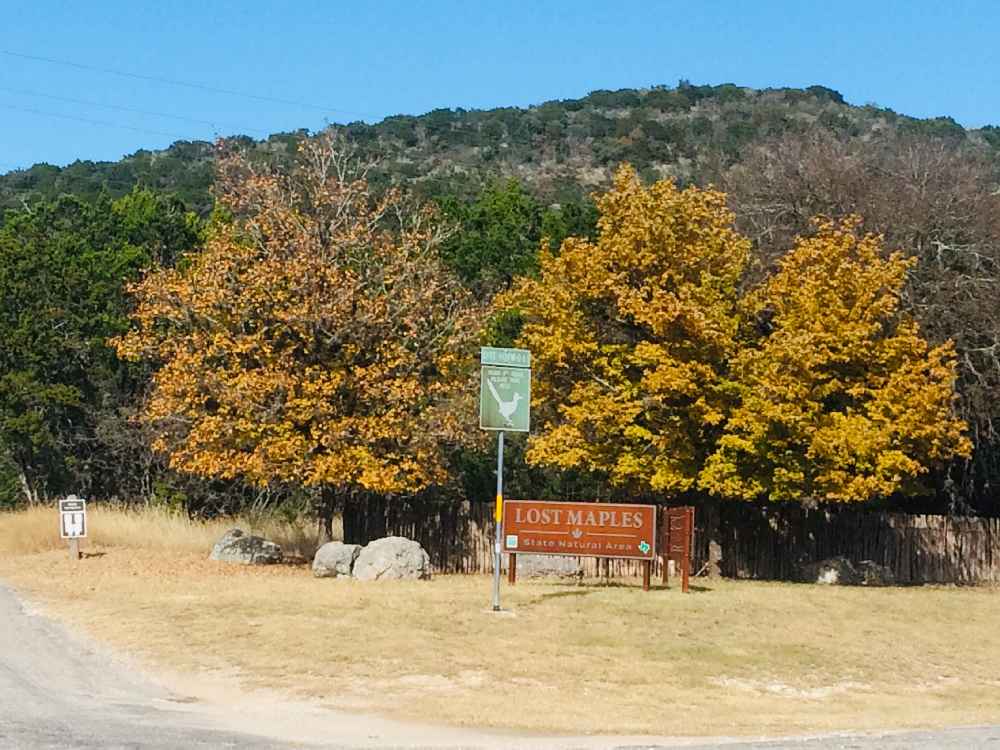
x,y
36,530
732,658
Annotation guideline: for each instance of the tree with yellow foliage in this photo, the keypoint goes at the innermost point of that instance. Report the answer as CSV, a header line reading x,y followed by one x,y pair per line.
x,y
315,340
841,398
653,368
631,334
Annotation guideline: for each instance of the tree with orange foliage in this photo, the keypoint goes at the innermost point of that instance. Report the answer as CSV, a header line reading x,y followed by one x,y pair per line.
x,y
315,340
841,398
630,336
653,367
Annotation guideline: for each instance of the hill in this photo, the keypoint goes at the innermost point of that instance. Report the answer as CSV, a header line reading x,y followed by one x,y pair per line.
x,y
783,156
558,149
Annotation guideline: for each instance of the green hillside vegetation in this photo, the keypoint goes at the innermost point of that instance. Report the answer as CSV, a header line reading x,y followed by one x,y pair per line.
x,y
505,181
560,149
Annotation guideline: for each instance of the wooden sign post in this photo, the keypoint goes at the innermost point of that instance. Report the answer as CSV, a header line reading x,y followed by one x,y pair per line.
x,y
677,528
73,523
580,530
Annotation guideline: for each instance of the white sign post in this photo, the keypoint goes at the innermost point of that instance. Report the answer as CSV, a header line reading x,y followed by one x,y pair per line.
x,y
73,523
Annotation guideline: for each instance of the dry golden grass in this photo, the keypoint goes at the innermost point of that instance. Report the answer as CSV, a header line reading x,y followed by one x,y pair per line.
x,y
36,529
731,658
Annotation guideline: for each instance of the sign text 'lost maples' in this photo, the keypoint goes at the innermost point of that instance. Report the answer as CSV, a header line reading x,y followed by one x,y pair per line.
x,y
582,529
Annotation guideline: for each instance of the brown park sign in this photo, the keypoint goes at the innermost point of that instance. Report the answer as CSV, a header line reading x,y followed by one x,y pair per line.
x,y
580,529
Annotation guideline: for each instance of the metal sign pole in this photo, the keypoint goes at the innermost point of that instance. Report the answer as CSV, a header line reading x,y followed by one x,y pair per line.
x,y
498,516
504,406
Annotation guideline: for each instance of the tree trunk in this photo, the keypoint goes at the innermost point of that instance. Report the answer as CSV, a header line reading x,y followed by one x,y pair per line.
x,y
712,526
30,494
324,514
353,523
364,517
355,519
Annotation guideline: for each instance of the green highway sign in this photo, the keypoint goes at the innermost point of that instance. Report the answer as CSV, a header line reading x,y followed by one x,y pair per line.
x,y
505,398
505,390
504,406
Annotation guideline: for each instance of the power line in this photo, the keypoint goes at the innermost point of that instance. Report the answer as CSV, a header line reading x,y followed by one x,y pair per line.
x,y
89,121
129,109
173,82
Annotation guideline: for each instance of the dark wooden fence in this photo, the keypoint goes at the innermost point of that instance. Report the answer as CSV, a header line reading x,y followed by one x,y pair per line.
x,y
457,536
764,542
770,542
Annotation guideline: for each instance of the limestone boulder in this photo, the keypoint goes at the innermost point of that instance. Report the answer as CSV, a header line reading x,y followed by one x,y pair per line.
x,y
392,558
236,546
834,571
548,566
335,559
872,573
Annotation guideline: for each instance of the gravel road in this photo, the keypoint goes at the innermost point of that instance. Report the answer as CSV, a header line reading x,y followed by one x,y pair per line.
x,y
951,739
59,692
56,691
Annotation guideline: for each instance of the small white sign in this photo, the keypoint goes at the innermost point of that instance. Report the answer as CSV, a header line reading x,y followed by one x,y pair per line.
x,y
72,517
512,541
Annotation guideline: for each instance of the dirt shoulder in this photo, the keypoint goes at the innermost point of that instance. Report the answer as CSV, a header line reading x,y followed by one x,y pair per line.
x,y
734,659
62,689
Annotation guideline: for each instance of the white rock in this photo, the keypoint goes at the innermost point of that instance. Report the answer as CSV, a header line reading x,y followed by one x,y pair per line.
x,y
393,557
548,566
834,571
875,574
335,559
236,546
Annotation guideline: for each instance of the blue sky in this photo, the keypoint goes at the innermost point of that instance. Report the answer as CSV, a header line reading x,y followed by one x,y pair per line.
x,y
336,61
